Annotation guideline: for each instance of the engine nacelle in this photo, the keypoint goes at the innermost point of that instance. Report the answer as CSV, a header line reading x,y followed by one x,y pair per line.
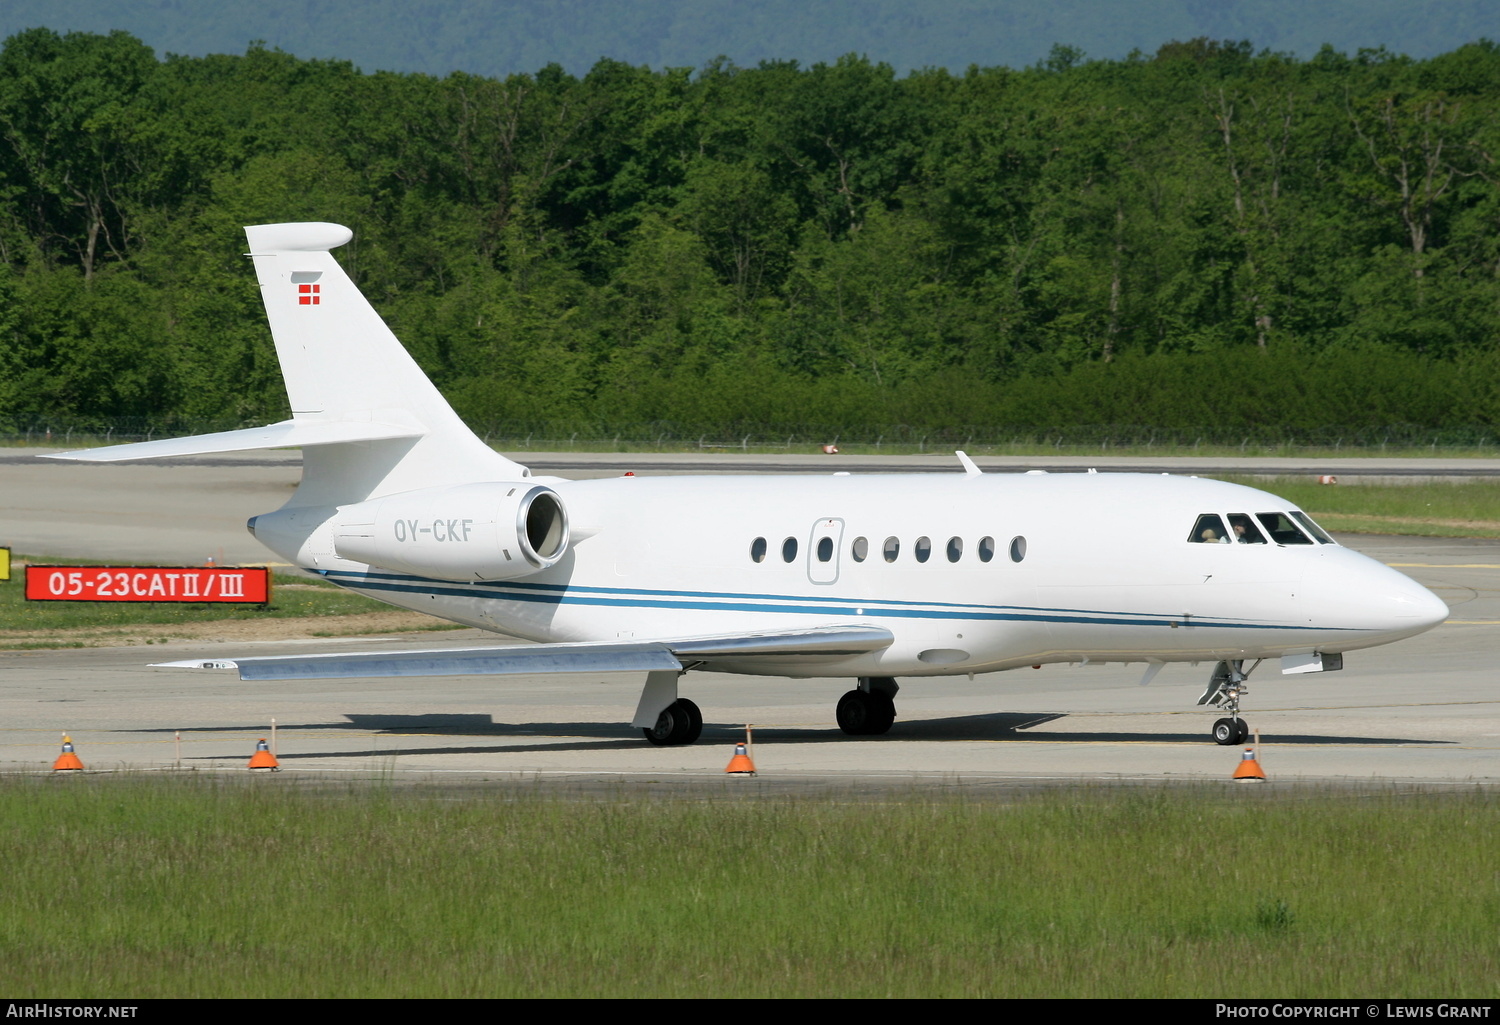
x,y
495,531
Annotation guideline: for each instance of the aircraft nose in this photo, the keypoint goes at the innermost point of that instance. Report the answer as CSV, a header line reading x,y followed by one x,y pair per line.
x,y
1416,602
1368,595
1400,606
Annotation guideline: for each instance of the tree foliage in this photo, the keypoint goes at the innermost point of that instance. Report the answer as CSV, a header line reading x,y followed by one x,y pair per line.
x,y
1207,236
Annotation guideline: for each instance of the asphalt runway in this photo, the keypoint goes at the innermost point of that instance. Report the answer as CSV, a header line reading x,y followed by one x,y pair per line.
x,y
1425,711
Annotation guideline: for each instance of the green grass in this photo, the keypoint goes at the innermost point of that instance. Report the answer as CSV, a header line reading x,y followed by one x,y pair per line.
x,y
291,596
1040,444
306,597
164,887
1443,509
727,443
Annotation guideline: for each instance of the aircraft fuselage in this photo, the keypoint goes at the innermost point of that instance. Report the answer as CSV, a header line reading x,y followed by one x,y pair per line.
x,y
970,573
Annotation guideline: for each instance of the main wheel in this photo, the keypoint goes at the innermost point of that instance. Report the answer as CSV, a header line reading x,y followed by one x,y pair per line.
x,y
1230,731
679,723
695,721
883,715
865,715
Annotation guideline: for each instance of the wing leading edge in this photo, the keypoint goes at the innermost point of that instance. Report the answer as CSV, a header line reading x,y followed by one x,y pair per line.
x,y
589,657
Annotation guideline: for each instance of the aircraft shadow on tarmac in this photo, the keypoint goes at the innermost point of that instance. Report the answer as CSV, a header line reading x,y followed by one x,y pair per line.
x,y
587,736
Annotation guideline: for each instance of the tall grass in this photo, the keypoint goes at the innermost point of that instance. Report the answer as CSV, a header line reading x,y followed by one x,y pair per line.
x,y
161,887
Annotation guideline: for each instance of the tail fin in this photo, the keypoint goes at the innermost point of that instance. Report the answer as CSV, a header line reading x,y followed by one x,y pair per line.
x,y
369,421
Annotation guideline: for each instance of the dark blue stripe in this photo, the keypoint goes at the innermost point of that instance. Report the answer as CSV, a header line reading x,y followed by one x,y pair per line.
x,y
506,589
558,595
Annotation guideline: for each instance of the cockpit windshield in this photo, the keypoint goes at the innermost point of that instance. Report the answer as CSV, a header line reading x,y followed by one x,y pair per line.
x,y
1282,529
1209,530
1312,528
1245,530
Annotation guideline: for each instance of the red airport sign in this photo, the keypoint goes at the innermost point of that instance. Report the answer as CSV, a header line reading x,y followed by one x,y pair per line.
x,y
234,585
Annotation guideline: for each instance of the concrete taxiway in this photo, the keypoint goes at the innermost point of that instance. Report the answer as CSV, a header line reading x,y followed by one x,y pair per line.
x,y
1426,710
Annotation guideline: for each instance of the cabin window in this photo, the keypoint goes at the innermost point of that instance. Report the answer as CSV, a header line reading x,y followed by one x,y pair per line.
x,y
986,549
860,549
1312,528
825,549
1209,530
758,550
923,549
789,550
955,549
1282,529
1243,529
1017,549
891,549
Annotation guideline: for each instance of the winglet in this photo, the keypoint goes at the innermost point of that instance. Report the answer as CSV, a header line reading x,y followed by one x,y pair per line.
x,y
970,468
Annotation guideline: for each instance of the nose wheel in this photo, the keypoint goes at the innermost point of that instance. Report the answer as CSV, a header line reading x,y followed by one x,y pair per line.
x,y
1230,731
1225,688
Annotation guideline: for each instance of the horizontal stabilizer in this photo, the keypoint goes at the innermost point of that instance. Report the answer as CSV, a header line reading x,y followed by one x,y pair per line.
x,y
607,657
286,434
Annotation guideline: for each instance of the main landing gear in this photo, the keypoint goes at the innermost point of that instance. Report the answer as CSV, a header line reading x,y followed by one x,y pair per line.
x,y
679,723
1225,688
869,709
665,719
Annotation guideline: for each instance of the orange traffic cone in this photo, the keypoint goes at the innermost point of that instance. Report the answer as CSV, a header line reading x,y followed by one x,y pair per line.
x,y
741,764
68,760
1249,768
263,760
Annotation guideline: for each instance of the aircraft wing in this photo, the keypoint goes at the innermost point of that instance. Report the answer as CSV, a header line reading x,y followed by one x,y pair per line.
x,y
589,657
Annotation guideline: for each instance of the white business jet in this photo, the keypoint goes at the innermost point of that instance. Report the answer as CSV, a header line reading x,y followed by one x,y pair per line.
x,y
869,576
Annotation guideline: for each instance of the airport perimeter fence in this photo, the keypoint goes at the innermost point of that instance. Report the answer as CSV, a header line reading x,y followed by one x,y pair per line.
x,y
524,436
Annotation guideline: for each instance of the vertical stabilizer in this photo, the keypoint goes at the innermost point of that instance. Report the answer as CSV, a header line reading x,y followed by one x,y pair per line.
x,y
343,365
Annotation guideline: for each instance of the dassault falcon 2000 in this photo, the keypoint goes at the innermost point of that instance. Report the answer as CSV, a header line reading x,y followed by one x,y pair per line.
x,y
869,576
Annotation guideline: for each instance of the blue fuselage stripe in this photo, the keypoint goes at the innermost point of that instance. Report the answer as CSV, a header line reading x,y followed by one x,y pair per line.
x,y
558,594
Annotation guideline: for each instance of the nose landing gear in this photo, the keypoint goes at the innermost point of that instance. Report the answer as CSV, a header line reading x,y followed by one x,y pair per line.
x,y
1225,688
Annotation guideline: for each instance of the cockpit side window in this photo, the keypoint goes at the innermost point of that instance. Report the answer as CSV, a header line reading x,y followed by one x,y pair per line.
x,y
1244,530
1282,529
1312,528
1209,530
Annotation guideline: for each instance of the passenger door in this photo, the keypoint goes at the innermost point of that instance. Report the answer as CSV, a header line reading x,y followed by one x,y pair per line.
x,y
823,550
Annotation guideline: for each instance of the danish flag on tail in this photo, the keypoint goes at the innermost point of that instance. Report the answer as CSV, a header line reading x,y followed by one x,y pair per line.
x,y
309,293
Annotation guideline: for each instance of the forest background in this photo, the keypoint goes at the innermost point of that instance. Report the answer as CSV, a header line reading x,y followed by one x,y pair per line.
x,y
1207,241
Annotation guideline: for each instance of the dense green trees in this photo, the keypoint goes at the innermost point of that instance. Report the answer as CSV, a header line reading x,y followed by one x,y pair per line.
x,y
1206,239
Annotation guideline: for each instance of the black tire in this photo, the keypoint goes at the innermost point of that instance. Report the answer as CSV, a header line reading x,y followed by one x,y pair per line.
x,y
865,715
882,715
679,723
853,713
695,721
1228,732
